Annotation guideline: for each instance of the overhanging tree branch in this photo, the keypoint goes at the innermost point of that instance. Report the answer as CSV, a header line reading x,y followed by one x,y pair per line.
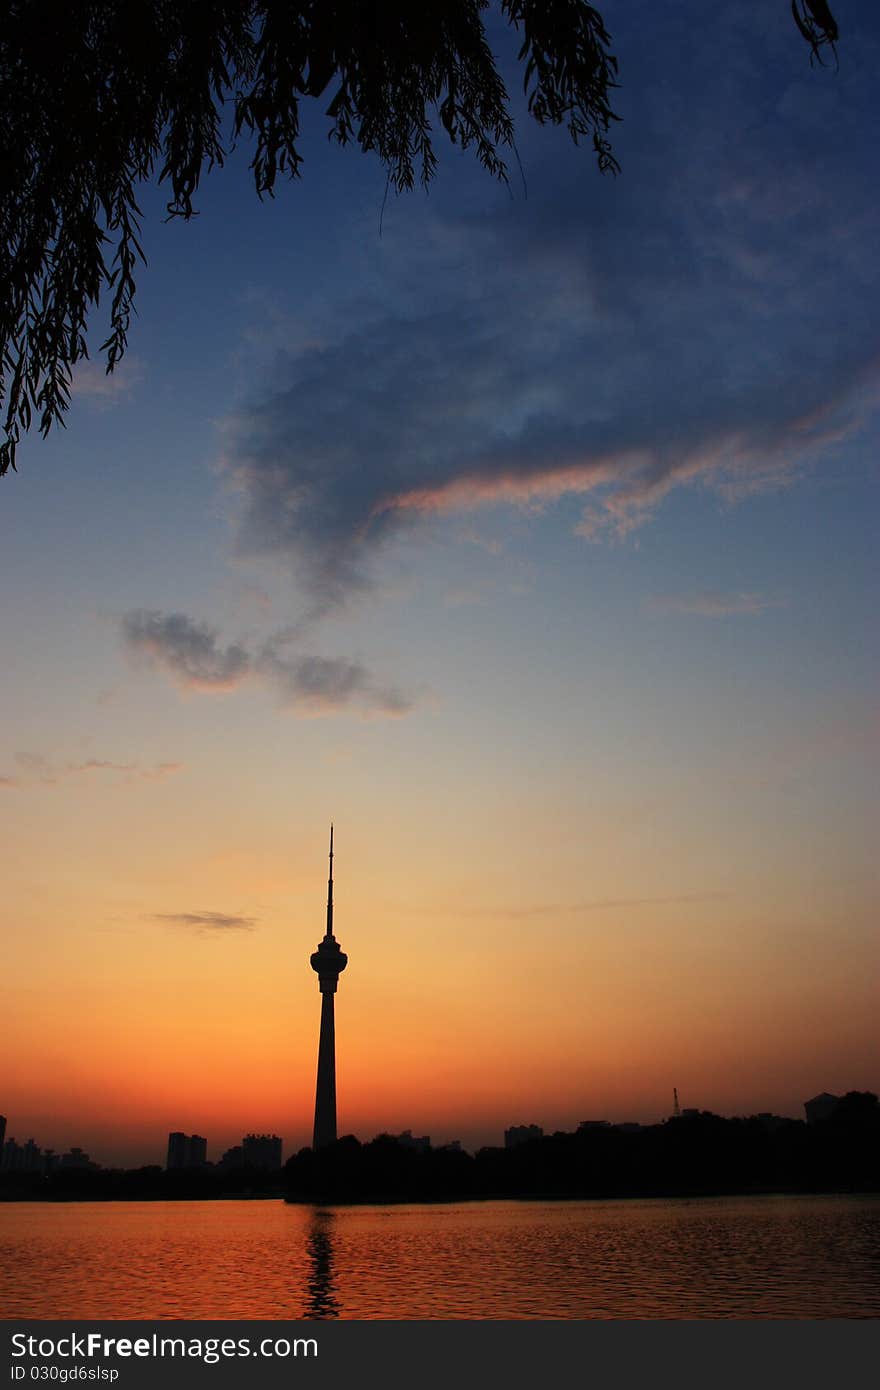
x,y
99,96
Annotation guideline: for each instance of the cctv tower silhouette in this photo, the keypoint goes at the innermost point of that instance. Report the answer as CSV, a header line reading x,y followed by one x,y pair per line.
x,y
328,961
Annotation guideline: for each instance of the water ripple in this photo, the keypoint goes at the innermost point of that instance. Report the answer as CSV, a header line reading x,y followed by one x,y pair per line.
x,y
766,1257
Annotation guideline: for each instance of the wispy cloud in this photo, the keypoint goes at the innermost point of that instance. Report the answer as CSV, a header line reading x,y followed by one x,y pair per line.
x,y
604,904
36,768
34,765
195,658
466,595
714,605
151,773
93,382
576,908
207,921
779,761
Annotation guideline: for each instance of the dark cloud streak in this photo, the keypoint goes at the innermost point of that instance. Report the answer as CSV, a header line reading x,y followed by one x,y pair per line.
x,y
207,921
188,649
192,654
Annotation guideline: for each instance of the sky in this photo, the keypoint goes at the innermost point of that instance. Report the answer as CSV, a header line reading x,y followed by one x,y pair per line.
x,y
529,534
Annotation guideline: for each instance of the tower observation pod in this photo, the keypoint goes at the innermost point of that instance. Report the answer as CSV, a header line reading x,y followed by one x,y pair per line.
x,y
328,962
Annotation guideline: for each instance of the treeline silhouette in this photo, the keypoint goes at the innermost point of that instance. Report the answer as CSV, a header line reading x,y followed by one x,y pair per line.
x,y
150,1183
692,1155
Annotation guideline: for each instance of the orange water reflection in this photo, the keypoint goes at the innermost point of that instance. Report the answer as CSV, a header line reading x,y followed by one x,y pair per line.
x,y
729,1257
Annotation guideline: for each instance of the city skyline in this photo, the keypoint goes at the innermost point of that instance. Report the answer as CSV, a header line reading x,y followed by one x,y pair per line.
x,y
191,1151
533,538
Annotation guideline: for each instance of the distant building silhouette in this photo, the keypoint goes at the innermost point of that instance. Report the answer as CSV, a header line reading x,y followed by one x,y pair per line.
x,y
261,1151
13,1155
33,1159
328,962
186,1150
410,1141
821,1107
233,1158
76,1158
26,1158
521,1134
23,1158
2,1131
593,1124
178,1144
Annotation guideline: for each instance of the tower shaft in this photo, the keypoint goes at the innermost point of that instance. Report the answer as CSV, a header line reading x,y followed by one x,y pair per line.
x,y
325,1090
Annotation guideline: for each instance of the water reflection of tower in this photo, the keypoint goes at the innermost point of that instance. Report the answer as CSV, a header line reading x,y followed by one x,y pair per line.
x,y
322,1300
328,961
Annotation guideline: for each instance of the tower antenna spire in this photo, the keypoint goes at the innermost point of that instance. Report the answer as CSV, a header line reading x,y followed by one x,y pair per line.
x,y
330,888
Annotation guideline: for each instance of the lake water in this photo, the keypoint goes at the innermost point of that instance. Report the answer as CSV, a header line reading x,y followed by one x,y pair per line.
x,y
734,1257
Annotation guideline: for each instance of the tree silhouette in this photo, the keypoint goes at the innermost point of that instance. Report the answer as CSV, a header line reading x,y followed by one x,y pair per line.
x,y
100,96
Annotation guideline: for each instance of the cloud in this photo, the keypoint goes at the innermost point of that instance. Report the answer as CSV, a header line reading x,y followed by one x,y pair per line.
x,y
37,768
466,595
780,761
715,605
574,909
34,765
192,654
601,904
187,649
151,773
92,381
325,683
398,424
207,921
706,321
